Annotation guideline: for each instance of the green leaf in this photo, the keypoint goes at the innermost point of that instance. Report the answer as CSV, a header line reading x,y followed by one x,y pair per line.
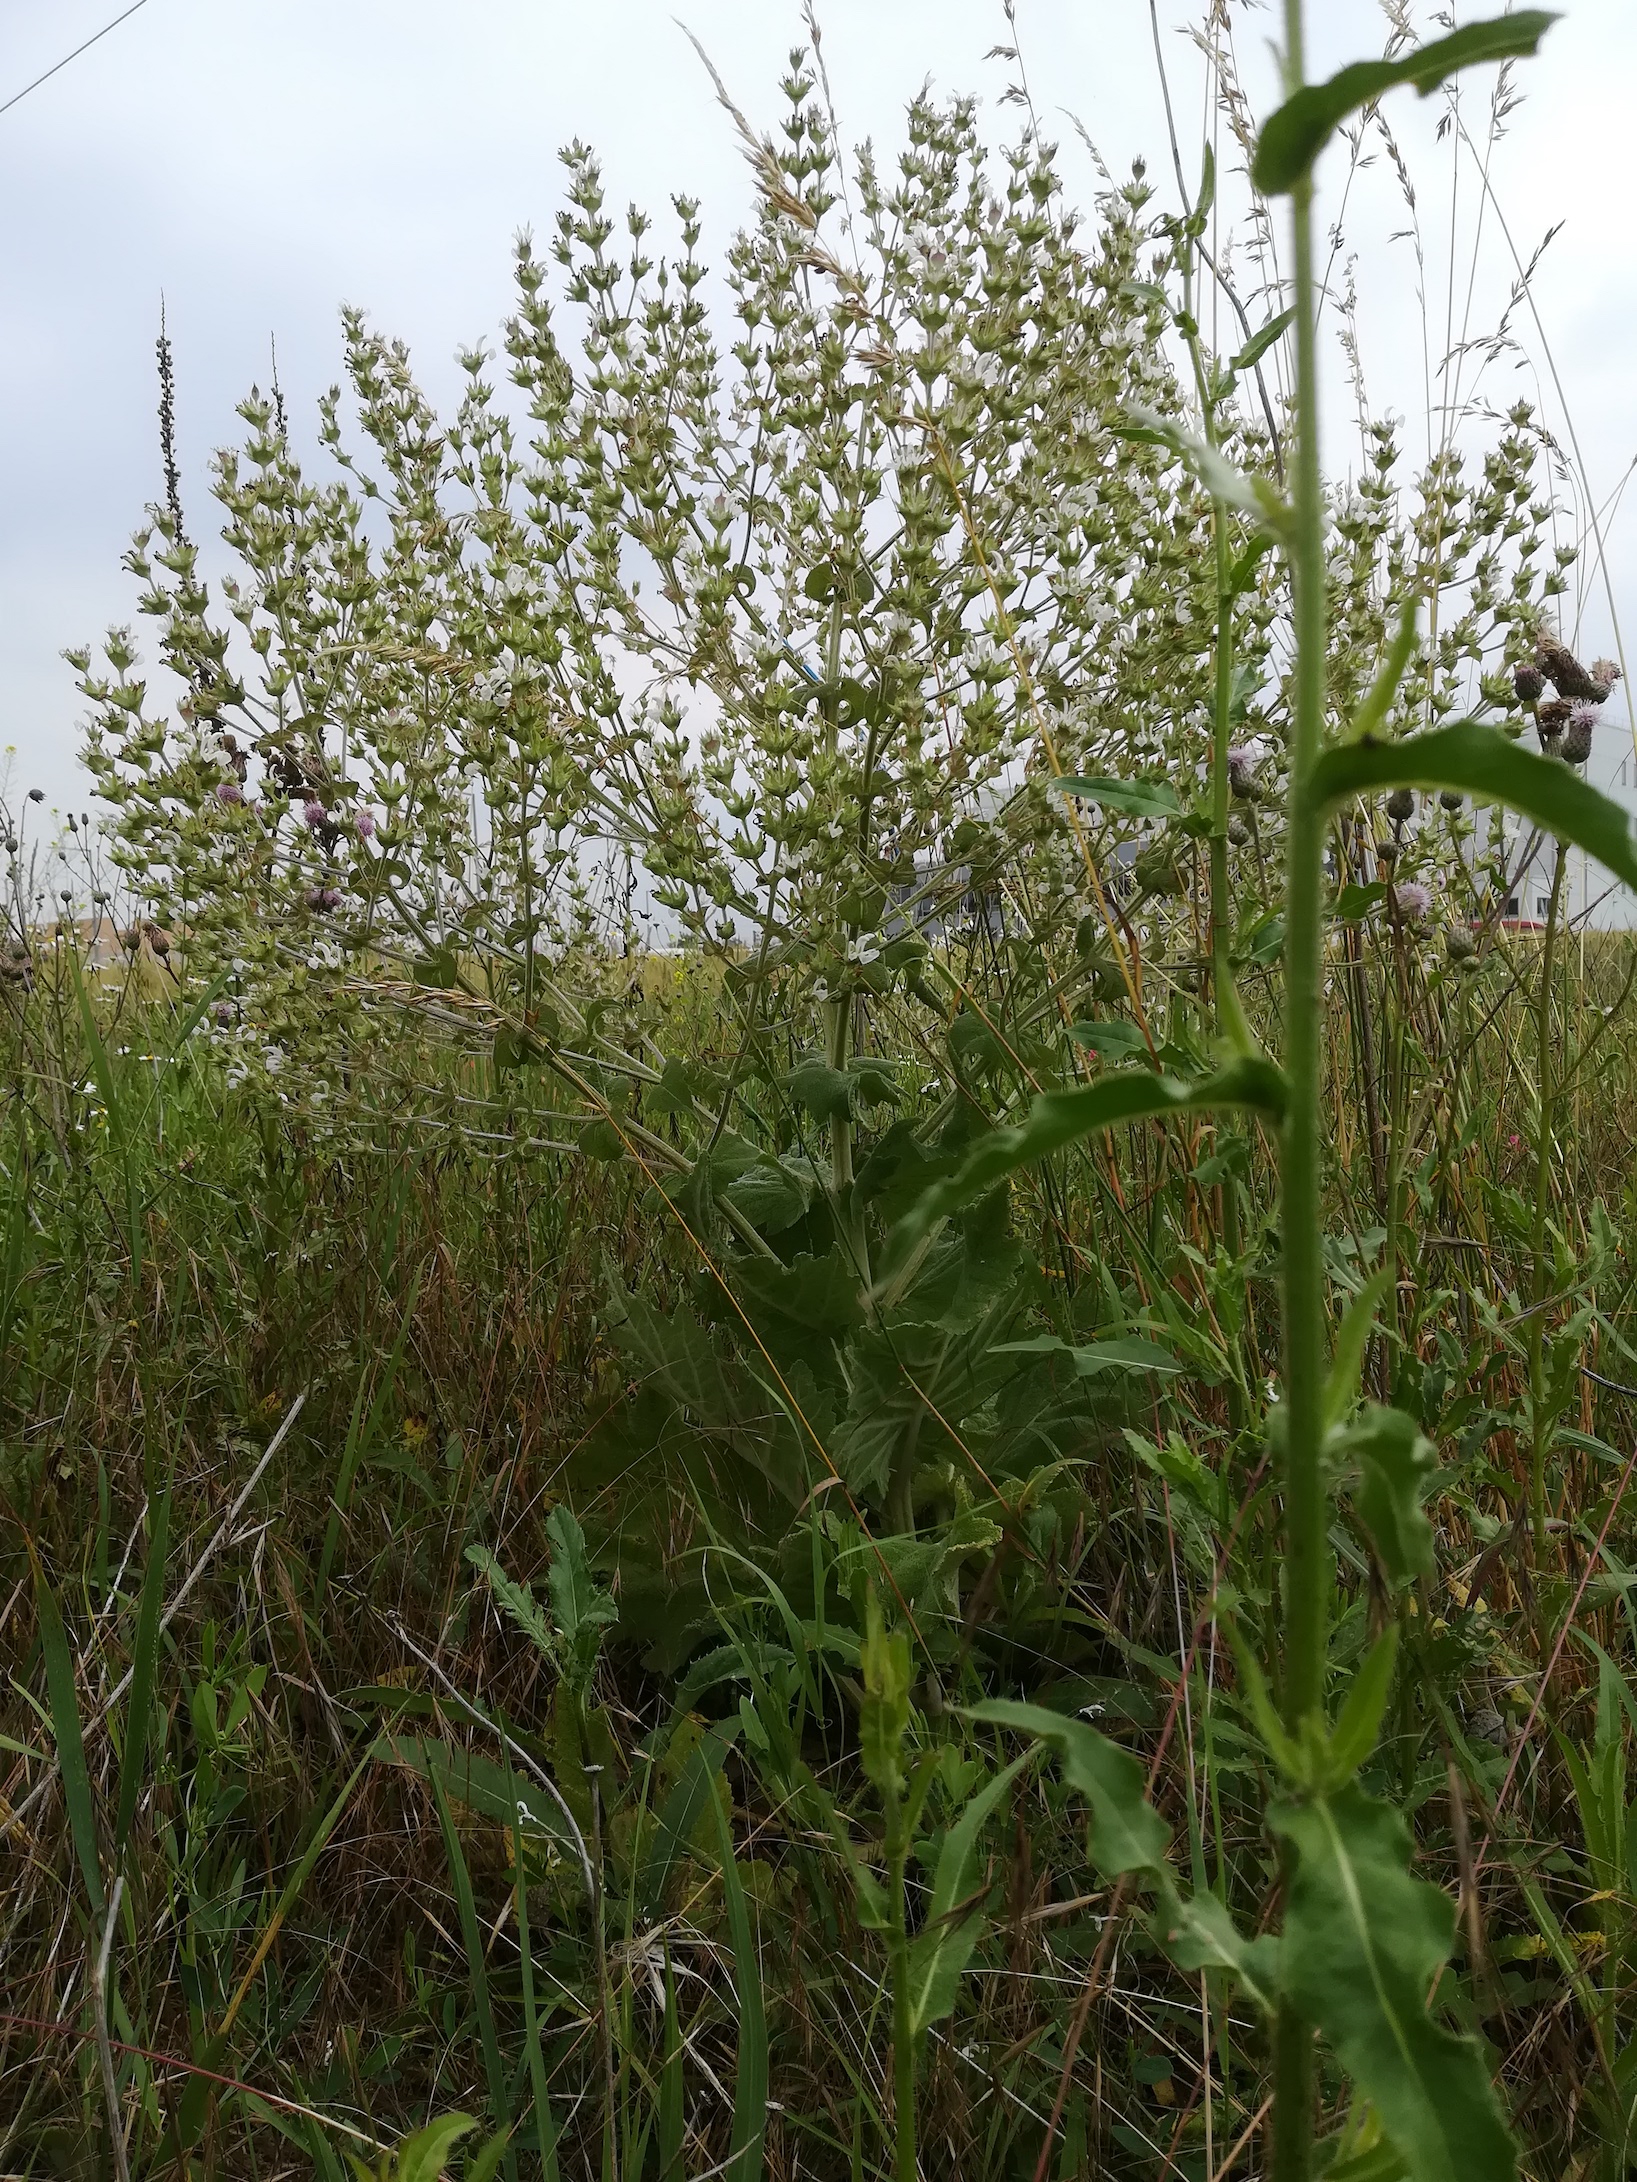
x,y
422,2157
1199,1934
1341,1387
1293,136
1398,1464
579,1607
884,1661
1117,1041
484,2163
1140,798
744,2161
1359,1722
477,1965
1259,343
1128,1352
1127,1833
438,968
679,1817
518,1600
144,1671
1362,1943
65,1725
1058,1118
1480,761
1257,497
944,1946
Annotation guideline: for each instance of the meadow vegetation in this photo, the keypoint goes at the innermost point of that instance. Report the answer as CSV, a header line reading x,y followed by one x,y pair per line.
x,y
818,1346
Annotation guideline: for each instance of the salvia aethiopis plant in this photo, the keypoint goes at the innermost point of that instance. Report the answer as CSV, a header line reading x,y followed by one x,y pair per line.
x,y
964,673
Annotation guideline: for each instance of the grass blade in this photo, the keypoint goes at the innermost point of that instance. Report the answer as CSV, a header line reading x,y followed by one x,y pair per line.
x,y
144,1664
471,1932
65,1723
744,2162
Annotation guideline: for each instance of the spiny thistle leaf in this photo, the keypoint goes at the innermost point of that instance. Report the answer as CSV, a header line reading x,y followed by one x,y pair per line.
x,y
1362,1943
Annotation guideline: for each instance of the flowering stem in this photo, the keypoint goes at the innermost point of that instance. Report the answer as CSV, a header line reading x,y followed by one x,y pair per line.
x,y
1306,1500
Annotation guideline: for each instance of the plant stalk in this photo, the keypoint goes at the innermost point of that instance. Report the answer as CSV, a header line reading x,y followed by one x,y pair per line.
x,y
1307,1564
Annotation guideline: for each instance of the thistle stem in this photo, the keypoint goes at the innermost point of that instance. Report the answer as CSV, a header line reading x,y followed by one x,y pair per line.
x,y
1539,1424
1306,1511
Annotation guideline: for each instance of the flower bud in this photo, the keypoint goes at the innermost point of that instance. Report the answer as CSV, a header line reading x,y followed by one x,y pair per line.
x,y
1460,943
1401,805
1528,682
1451,799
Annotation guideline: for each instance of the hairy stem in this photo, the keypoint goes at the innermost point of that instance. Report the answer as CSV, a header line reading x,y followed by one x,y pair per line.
x,y
1306,1503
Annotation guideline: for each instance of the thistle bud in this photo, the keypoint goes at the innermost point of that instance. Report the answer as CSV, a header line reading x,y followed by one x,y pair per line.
x,y
1460,944
1451,799
1528,682
1401,805
1238,832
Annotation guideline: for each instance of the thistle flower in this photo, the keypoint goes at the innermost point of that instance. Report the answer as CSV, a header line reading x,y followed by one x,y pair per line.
x,y
367,825
323,898
1576,746
1413,901
315,815
1242,762
1605,673
222,1012
229,794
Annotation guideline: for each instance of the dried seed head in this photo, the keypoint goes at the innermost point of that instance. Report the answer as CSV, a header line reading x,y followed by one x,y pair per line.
x,y
1552,718
1605,673
1567,676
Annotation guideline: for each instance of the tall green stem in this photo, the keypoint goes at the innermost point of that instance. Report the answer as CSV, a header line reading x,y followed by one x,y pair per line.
x,y
1307,1563
1540,1271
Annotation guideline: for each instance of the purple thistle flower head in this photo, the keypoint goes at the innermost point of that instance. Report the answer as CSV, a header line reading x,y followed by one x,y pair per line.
x,y
315,814
229,794
1576,746
1413,901
222,1011
323,897
367,825
1242,763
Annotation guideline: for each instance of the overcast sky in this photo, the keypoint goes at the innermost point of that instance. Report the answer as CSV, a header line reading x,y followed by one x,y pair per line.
x,y
261,161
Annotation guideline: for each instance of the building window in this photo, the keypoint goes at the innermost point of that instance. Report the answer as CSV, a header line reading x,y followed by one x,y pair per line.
x,y
1543,904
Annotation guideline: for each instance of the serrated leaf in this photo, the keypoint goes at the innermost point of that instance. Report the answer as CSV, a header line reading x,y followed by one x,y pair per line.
x,y
1127,1833
1060,1118
1361,1945
1397,1462
1480,761
1138,798
1293,136
1198,1933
